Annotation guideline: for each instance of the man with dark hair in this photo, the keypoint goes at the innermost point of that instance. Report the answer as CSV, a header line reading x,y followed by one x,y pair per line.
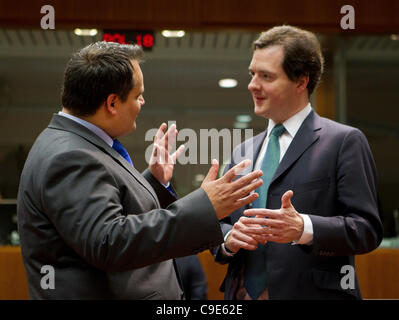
x,y
317,207
91,226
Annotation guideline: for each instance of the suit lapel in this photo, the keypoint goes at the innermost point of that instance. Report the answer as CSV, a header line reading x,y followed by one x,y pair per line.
x,y
306,136
258,142
63,123
132,170
250,149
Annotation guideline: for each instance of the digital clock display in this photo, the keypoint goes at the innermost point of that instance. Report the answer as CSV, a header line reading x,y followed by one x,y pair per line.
x,y
145,38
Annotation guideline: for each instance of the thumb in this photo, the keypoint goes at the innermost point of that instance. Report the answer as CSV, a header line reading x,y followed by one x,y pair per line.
x,y
213,171
286,199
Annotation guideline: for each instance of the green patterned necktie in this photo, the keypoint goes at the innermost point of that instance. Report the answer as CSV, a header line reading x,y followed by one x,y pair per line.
x,y
255,267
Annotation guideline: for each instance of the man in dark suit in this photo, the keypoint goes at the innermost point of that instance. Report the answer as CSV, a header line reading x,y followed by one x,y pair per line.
x,y
193,277
91,226
317,207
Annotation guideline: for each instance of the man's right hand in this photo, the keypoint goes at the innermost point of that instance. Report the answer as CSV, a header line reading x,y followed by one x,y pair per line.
x,y
246,234
227,195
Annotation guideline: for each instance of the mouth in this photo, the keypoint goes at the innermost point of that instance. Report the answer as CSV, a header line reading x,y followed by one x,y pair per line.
x,y
259,99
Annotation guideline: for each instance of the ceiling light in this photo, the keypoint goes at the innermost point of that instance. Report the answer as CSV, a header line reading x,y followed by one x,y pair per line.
x,y
227,83
173,33
240,125
85,32
243,118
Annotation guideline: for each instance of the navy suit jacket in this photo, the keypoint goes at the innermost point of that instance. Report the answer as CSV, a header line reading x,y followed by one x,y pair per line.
x,y
330,168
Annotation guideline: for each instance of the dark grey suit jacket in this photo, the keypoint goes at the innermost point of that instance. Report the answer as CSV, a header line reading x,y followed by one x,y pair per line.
x,y
101,225
331,171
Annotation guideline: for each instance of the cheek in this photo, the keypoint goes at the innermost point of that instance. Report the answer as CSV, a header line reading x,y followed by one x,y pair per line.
x,y
277,91
135,109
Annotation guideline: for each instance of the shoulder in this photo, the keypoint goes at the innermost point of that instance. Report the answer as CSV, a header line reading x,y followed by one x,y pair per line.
x,y
344,138
336,127
339,130
57,150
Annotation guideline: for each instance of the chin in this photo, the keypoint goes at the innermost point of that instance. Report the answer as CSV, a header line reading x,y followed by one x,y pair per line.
x,y
260,112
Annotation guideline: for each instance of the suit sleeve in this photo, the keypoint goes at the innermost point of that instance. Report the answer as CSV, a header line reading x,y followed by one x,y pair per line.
x,y
357,227
164,196
82,200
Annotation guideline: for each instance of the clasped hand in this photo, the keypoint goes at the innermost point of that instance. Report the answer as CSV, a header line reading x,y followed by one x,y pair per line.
x,y
259,225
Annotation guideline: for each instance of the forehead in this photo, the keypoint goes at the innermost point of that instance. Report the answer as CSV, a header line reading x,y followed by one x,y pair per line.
x,y
137,73
269,58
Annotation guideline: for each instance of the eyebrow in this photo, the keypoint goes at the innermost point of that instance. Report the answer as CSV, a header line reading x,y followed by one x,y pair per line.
x,y
262,71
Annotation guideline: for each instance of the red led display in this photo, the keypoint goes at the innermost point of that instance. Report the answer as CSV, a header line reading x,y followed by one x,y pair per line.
x,y
144,39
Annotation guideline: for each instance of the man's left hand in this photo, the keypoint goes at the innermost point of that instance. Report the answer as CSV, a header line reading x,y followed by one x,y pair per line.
x,y
161,161
283,225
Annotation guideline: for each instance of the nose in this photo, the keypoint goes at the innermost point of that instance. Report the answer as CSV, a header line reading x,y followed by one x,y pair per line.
x,y
253,84
142,101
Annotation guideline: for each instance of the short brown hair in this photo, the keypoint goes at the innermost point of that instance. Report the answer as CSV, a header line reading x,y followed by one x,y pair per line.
x,y
302,52
95,72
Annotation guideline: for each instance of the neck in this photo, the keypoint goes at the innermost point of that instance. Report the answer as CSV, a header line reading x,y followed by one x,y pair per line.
x,y
293,110
97,119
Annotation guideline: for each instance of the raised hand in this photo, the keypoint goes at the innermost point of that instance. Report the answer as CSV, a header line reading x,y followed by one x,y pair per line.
x,y
227,195
162,162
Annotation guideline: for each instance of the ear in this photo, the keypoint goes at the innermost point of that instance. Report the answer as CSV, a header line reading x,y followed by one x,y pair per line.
x,y
111,103
302,83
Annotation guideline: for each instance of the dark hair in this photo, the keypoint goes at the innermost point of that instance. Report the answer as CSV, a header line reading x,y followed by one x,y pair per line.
x,y
95,72
302,53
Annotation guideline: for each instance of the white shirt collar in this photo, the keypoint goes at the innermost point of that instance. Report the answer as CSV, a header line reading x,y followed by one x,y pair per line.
x,y
93,128
292,124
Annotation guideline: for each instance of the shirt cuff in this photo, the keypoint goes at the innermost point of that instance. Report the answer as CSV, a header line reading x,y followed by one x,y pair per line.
x,y
223,248
307,234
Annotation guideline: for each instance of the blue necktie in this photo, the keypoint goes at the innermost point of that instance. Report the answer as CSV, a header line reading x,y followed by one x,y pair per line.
x,y
255,268
118,147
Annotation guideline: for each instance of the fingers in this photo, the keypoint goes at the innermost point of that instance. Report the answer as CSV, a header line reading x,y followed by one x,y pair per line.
x,y
261,226
246,200
163,143
178,152
170,137
248,178
239,240
286,199
270,213
156,154
166,139
213,172
248,183
236,170
160,132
